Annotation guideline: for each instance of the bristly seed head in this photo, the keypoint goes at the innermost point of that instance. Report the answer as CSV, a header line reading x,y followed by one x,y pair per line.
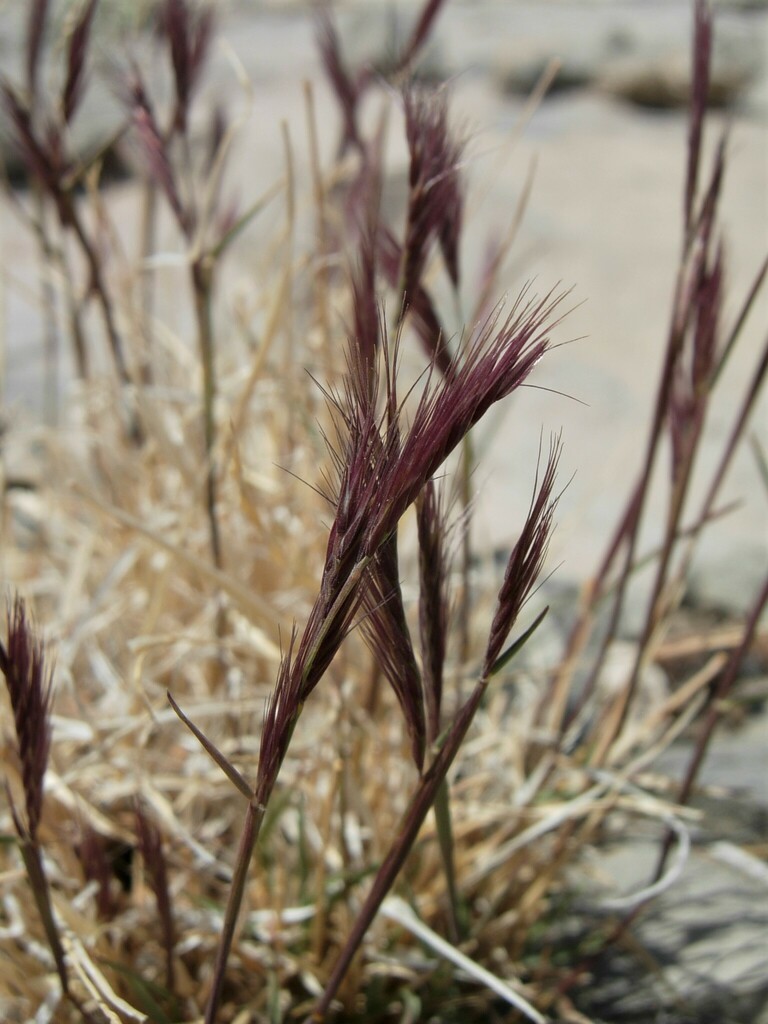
x,y
189,35
385,629
349,89
72,92
29,687
434,598
525,560
435,199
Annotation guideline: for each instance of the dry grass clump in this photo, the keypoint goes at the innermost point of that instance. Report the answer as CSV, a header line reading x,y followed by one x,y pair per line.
x,y
215,527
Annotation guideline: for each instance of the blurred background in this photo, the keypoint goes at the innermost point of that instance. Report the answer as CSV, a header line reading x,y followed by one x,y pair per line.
x,y
604,153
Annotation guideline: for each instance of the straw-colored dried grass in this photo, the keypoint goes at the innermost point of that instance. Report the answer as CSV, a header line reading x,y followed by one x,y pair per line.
x,y
112,548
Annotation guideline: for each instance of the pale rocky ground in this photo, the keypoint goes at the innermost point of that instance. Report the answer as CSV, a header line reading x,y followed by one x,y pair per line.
x,y
604,218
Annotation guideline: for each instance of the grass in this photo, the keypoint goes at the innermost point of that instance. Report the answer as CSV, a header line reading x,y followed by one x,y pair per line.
x,y
268,784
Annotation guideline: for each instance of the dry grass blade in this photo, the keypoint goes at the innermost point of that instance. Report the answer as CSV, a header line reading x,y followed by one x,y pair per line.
x,y
116,1009
397,910
151,847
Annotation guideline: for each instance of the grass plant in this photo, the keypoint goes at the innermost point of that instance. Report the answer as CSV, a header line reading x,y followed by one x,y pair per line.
x,y
270,783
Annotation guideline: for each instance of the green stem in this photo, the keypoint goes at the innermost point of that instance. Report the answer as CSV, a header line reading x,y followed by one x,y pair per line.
x,y
456,924
202,287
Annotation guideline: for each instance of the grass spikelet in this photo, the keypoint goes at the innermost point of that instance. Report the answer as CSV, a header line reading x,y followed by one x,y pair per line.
x,y
28,680
188,32
435,197
434,599
77,50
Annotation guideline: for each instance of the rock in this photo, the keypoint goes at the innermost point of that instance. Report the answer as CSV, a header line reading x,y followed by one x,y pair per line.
x,y
664,81
728,581
627,51
376,34
517,74
706,936
735,762
742,5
